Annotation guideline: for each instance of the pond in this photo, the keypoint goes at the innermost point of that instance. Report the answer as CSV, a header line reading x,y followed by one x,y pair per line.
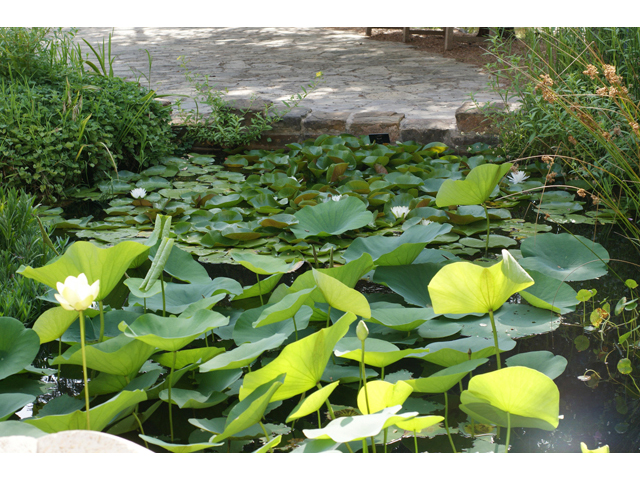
x,y
266,227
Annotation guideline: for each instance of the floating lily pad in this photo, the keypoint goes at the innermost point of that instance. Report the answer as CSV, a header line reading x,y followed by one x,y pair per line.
x,y
18,346
331,218
550,293
545,362
565,257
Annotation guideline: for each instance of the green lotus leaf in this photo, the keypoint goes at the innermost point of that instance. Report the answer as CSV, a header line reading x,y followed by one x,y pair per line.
x,y
269,445
303,361
152,183
494,241
240,231
12,402
260,288
550,293
217,425
530,398
184,358
341,297
403,180
244,332
104,264
409,281
544,362
18,346
263,264
401,250
179,296
284,309
467,288
418,424
348,274
9,428
172,334
250,409
118,356
243,355
382,395
473,190
192,398
134,283
398,317
349,429
101,415
313,402
377,353
331,218
446,378
281,220
179,448
181,265
438,329
105,383
564,257
513,321
455,352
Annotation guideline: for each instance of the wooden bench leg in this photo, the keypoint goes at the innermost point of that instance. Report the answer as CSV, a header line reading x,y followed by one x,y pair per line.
x,y
406,34
448,38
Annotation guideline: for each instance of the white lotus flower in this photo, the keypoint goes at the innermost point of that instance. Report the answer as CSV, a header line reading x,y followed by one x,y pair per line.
x,y
76,293
425,222
517,177
138,193
336,198
400,212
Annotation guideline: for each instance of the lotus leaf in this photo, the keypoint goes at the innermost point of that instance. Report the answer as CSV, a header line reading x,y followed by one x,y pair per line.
x,y
455,352
446,378
550,293
104,264
341,297
467,288
312,403
303,361
530,398
18,346
178,448
545,362
377,353
381,395
243,355
473,190
564,257
331,218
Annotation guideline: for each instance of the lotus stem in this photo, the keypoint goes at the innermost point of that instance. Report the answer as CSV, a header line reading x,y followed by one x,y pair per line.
x,y
495,337
266,435
486,245
506,447
101,322
328,317
415,440
173,366
386,430
84,369
164,305
446,421
259,289
364,379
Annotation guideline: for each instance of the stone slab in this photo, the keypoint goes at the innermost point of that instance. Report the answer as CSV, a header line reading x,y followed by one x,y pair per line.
x,y
366,123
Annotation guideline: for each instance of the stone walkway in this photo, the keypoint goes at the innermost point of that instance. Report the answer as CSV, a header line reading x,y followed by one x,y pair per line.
x,y
367,84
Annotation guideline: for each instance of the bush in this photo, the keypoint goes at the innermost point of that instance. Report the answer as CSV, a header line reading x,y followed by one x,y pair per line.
x,y
21,243
60,126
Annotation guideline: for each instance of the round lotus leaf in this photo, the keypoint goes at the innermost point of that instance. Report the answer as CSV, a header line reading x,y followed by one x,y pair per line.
x,y
512,320
550,293
473,190
446,378
545,362
564,257
331,218
18,346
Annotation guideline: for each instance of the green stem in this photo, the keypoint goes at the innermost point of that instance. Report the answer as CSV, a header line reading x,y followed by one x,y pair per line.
x,y
295,327
415,440
495,337
328,316
386,430
486,246
101,322
364,379
140,426
259,289
164,306
144,302
84,369
365,449
59,354
506,448
382,373
446,421
319,419
266,434
173,365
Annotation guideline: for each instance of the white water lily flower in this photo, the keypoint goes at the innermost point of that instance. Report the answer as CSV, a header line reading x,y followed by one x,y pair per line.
x,y
76,293
336,198
517,177
425,222
400,212
138,193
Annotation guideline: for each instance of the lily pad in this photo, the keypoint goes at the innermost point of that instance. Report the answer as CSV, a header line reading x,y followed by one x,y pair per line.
x,y
544,362
446,378
331,218
550,293
18,346
473,190
565,257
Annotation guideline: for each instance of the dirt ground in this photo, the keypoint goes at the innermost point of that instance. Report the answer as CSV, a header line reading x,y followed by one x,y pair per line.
x,y
466,52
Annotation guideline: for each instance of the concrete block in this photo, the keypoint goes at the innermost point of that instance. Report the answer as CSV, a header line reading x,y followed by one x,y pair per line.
x,y
365,123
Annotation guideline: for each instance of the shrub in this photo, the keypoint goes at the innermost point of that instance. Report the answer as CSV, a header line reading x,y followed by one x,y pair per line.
x,y
21,243
60,126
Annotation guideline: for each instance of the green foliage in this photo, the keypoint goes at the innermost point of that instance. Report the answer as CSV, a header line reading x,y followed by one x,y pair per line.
x,y
61,127
21,243
221,123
